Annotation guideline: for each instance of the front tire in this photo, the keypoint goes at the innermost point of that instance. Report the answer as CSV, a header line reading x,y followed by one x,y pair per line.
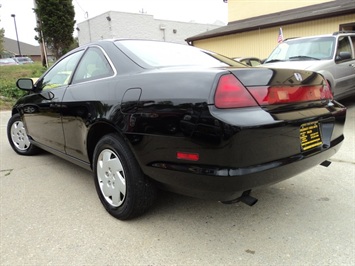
x,y
17,136
121,186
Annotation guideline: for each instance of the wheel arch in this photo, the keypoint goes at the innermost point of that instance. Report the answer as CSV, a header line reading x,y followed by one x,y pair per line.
x,y
96,132
14,111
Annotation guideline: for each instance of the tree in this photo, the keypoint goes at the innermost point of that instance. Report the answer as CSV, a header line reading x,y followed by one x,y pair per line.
x,y
2,31
75,44
55,24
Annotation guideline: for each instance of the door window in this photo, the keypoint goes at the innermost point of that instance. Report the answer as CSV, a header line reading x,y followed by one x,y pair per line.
x,y
352,38
61,73
344,46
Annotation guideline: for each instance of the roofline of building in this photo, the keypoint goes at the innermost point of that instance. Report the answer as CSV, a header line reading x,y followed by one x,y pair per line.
x,y
149,15
303,14
11,47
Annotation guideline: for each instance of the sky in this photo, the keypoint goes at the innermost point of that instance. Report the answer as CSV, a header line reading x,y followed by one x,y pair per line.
x,y
200,11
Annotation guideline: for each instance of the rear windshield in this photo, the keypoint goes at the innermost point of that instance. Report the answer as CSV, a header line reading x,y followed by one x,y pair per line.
x,y
159,54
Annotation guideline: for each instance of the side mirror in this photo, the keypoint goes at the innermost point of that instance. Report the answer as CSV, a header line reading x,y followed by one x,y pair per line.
x,y
25,84
343,56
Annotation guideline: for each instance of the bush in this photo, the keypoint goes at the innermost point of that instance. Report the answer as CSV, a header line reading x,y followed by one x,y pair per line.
x,y
10,74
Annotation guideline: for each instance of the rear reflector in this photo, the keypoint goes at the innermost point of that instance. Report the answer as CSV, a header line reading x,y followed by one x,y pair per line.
x,y
230,93
187,156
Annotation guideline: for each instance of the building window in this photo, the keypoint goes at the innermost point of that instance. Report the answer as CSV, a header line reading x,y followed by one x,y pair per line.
x,y
347,27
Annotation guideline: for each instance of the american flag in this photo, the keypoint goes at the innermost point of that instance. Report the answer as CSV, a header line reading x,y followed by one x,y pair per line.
x,y
280,38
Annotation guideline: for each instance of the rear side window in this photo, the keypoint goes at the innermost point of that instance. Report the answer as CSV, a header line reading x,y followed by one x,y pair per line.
x,y
93,65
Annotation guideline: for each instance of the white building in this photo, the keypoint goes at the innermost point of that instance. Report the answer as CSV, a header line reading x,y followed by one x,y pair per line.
x,y
114,24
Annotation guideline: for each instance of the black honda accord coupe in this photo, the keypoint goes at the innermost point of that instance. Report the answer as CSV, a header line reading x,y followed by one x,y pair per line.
x,y
147,115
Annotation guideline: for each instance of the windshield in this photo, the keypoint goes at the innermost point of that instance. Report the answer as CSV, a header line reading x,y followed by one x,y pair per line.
x,y
318,48
158,54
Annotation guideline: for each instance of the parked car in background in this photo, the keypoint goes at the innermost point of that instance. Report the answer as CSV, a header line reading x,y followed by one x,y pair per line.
x,y
23,60
144,115
7,62
250,61
331,55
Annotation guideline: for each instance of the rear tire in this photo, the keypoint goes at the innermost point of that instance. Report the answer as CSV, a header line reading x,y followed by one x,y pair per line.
x,y
17,136
123,189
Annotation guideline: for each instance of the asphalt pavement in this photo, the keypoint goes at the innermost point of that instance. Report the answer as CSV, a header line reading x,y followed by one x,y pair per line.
x,y
50,215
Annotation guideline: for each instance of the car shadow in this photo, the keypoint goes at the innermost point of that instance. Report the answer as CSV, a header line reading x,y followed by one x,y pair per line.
x,y
174,207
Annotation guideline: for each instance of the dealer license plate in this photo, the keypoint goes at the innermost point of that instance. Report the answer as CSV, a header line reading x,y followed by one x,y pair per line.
x,y
310,136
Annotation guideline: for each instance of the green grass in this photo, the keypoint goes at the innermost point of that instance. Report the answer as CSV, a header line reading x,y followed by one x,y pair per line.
x,y
9,93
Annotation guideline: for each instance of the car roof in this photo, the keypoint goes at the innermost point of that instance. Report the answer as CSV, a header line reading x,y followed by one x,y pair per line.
x,y
335,34
7,59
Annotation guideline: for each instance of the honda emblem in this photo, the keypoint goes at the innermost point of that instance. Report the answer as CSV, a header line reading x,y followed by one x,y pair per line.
x,y
298,76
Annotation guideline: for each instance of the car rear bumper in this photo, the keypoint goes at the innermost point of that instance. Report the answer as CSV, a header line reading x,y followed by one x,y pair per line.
x,y
226,184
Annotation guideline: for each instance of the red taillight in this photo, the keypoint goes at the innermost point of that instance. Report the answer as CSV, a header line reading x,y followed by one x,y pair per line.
x,y
281,94
230,93
187,156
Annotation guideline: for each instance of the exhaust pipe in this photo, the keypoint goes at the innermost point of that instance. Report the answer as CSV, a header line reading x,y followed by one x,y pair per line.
x,y
245,198
326,163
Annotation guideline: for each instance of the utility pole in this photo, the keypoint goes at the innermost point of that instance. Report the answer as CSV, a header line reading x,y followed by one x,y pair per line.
x,y
18,42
